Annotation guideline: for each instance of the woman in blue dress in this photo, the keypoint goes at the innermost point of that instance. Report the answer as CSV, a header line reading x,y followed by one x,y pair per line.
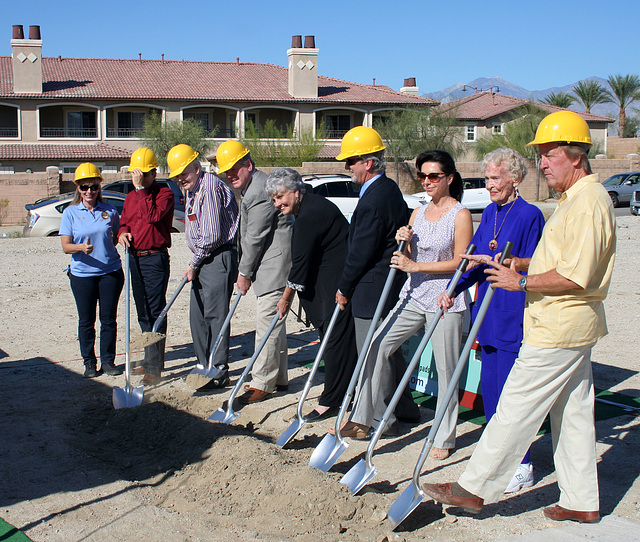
x,y
88,232
507,218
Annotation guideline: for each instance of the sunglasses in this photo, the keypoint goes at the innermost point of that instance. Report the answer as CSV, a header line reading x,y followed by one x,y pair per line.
x,y
353,160
433,177
85,187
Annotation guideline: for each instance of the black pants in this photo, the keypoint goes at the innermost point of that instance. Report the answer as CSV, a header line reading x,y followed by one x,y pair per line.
x,y
89,292
149,280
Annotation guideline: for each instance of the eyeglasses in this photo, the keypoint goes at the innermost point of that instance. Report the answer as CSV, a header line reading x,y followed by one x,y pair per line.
x,y
433,177
85,187
353,160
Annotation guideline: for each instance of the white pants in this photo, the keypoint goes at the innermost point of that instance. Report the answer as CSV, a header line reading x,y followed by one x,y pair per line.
x,y
378,383
554,381
270,368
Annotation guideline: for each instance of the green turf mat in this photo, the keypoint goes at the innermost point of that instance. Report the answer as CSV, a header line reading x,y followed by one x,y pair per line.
x,y
8,533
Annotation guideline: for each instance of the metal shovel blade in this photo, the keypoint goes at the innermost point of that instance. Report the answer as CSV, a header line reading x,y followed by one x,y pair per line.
x,y
406,503
327,453
358,476
123,398
224,416
291,431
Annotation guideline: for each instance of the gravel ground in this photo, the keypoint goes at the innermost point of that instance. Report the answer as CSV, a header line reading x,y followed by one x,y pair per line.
x,y
73,468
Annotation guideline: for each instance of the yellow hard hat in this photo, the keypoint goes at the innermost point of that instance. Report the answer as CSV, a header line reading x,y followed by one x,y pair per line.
x,y
180,157
229,153
143,158
87,171
359,141
562,127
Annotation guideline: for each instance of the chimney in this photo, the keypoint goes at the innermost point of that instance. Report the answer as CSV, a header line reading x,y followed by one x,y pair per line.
x,y
410,87
27,60
303,67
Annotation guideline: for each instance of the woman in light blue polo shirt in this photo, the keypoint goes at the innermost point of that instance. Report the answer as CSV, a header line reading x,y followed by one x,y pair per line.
x,y
88,232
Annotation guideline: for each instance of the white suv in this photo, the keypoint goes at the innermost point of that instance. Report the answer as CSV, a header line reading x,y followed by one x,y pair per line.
x,y
340,190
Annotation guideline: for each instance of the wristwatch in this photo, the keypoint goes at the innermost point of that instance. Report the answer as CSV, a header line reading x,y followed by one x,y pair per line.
x,y
523,284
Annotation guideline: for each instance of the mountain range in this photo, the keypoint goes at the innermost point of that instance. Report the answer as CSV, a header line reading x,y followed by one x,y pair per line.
x,y
460,90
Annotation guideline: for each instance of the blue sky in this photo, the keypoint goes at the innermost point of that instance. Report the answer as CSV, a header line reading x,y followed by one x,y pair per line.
x,y
535,45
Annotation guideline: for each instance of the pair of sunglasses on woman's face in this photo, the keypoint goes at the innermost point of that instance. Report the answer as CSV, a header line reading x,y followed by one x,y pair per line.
x,y
433,177
85,187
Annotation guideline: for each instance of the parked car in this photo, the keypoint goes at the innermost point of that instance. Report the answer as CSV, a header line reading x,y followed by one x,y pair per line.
x,y
622,186
475,196
125,187
343,192
44,216
634,205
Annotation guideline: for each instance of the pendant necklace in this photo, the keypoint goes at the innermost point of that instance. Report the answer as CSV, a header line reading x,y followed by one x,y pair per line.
x,y
493,244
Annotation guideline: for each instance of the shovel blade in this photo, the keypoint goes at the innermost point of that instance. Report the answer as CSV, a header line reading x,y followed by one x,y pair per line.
x,y
127,397
327,453
291,432
223,416
358,476
406,503
201,376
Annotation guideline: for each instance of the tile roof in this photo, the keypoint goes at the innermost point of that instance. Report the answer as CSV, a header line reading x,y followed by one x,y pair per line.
x,y
485,105
89,78
37,151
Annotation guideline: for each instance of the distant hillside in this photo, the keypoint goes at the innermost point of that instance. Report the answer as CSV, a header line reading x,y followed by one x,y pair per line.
x,y
456,92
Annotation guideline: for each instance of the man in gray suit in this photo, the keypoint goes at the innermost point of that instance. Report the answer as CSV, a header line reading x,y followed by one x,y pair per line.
x,y
265,260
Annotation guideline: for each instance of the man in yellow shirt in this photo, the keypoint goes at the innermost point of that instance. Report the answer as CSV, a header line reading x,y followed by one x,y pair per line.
x,y
568,279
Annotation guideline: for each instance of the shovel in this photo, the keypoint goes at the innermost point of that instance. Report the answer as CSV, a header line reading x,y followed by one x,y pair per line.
x,y
127,397
332,446
363,471
151,337
298,424
413,495
200,376
227,416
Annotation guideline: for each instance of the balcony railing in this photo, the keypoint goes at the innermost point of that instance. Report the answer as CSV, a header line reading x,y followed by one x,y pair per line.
x,y
8,132
335,134
123,132
68,132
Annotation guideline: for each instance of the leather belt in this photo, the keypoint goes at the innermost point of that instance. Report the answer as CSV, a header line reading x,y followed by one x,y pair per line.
x,y
140,253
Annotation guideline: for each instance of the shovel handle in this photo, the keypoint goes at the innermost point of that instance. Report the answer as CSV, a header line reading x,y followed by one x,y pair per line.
x,y
443,402
164,312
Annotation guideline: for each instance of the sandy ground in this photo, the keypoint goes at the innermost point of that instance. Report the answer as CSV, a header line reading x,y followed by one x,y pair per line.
x,y
73,468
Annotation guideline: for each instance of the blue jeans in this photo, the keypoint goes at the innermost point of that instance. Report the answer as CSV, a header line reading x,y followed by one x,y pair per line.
x,y
88,293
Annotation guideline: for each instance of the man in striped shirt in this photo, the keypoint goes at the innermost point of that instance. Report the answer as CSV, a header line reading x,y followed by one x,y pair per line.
x,y
211,226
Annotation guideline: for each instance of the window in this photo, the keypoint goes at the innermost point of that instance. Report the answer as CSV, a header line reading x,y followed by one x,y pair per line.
x,y
7,169
336,125
81,124
471,132
110,169
129,123
497,128
201,118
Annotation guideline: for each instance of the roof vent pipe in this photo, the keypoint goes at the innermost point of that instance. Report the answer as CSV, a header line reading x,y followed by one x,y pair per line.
x,y
18,32
309,42
296,42
410,82
34,32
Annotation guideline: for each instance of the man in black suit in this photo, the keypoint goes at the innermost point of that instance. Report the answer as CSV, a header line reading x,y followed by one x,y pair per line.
x,y
380,212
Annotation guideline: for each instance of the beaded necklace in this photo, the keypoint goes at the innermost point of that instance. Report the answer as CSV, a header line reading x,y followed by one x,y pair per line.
x,y
493,244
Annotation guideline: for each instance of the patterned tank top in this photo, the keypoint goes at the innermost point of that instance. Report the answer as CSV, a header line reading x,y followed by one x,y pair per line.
x,y
432,242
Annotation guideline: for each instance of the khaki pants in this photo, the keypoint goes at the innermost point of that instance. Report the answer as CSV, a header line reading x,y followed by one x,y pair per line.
x,y
554,381
270,369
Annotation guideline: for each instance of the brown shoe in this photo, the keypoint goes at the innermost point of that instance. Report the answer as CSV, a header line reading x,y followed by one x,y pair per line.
x,y
137,370
557,513
150,379
253,395
453,494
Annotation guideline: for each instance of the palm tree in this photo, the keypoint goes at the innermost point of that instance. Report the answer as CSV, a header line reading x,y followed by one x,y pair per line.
x,y
562,99
591,93
624,90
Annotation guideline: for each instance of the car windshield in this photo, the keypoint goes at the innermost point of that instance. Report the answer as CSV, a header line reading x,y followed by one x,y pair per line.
x,y
616,179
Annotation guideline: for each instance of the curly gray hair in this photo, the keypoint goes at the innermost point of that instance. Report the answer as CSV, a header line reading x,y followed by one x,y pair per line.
x,y
284,177
512,161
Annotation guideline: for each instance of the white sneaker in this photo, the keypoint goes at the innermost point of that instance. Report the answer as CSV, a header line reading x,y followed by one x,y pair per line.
x,y
521,479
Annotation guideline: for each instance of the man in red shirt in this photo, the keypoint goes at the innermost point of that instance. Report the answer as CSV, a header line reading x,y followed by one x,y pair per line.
x,y
145,227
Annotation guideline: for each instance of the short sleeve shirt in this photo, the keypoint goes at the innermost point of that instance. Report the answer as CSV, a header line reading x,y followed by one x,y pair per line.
x,y
100,226
579,242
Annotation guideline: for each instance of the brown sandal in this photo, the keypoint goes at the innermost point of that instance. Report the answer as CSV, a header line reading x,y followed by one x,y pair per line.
x,y
353,430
